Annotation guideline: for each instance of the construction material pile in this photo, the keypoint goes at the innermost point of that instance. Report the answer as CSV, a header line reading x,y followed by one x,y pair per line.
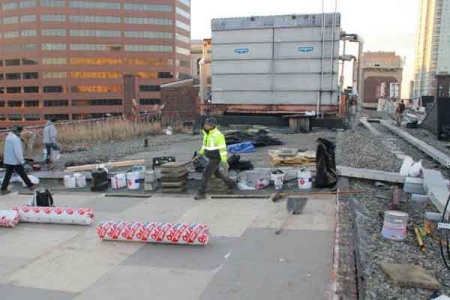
x,y
292,158
258,137
174,177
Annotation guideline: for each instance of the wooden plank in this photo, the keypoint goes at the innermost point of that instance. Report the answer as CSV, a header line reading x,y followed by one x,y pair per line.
x,y
369,126
410,276
127,195
117,164
370,174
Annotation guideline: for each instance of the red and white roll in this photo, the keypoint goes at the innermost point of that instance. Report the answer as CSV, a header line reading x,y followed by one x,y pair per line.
x,y
8,218
155,232
55,215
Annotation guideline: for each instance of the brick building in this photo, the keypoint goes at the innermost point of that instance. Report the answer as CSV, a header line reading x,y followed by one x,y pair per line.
x,y
67,59
181,102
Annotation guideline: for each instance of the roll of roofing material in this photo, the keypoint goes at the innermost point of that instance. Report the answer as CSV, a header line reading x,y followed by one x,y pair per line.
x,y
155,232
55,215
8,218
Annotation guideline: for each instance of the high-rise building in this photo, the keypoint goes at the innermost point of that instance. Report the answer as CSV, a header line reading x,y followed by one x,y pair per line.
x,y
432,48
67,59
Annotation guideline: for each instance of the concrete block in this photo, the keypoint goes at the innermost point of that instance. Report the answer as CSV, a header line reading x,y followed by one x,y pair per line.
x,y
410,276
143,283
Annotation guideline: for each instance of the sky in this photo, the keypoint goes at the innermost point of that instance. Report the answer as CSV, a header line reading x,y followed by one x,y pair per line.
x,y
385,25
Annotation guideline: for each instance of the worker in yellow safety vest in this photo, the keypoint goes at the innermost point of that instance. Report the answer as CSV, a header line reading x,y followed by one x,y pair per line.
x,y
215,149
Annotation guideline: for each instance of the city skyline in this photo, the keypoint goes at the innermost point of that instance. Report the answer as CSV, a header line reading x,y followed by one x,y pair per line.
x,y
390,25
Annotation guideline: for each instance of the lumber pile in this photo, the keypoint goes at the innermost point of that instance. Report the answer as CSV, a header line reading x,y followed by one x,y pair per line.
x,y
108,165
174,177
279,159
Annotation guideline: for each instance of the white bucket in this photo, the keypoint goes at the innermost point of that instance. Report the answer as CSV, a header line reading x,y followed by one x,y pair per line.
x,y
80,180
139,169
133,181
119,181
304,179
277,179
394,226
70,182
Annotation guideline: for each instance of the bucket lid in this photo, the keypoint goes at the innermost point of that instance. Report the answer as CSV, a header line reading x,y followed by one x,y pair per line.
x,y
396,213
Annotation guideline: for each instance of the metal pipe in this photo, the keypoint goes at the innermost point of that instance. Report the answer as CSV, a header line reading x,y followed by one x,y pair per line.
x,y
319,100
332,52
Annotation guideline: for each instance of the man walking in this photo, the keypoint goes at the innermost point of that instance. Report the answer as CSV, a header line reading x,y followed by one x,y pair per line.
x,y
28,139
215,149
50,135
399,113
13,160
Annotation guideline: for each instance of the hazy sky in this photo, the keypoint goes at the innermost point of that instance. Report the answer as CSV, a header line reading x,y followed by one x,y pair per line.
x,y
385,25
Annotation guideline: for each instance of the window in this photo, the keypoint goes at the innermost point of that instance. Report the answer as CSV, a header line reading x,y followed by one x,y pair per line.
x,y
2,117
53,3
97,102
95,75
148,34
29,32
93,5
183,51
149,101
149,88
27,3
2,103
96,89
183,38
185,2
12,76
54,61
31,103
53,89
15,117
54,75
10,20
184,63
80,61
10,6
30,75
56,103
12,62
94,19
11,34
61,117
13,90
15,104
183,76
147,7
148,62
183,25
53,18
183,13
148,48
165,75
31,89
29,61
89,47
28,18
149,21
153,75
53,32
96,33
53,47
32,117
2,76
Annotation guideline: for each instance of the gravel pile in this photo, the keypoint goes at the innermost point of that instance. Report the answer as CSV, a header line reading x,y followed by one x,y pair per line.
x,y
374,249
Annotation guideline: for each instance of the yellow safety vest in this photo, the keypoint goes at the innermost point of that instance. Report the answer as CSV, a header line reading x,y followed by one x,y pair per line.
x,y
214,140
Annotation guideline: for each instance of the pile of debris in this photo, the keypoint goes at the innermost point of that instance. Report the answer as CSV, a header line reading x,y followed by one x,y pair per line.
x,y
258,137
292,158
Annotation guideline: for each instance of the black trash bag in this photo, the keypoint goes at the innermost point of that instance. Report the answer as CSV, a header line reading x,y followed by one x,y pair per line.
x,y
325,164
42,198
99,180
235,163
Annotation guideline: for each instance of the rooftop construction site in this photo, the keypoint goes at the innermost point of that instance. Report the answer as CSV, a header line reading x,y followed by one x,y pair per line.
x,y
288,165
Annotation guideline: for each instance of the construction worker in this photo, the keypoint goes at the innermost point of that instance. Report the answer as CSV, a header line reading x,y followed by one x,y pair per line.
x,y
28,139
399,113
215,149
50,135
13,160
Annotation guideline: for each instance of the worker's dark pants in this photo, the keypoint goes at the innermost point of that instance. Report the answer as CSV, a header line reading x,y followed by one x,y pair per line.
x,y
49,148
19,170
213,169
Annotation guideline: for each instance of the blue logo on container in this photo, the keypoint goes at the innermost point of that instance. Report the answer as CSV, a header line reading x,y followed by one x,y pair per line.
x,y
241,50
305,49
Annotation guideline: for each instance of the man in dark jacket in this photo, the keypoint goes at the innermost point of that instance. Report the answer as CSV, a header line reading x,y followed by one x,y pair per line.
x,y
215,149
399,113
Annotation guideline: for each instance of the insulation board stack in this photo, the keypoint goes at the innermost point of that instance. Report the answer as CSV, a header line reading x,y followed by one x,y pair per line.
x,y
174,177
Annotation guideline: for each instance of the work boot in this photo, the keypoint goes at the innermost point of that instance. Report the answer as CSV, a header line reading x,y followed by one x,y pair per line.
x,y
5,192
200,196
33,188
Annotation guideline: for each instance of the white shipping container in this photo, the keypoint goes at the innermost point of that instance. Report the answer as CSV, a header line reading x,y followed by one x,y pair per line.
x,y
264,97
303,50
237,82
304,66
242,67
303,82
273,66
313,34
242,51
243,36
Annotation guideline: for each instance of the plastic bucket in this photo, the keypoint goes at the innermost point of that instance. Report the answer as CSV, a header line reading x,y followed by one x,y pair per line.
x,y
70,182
305,180
80,180
394,226
119,181
139,169
278,178
133,181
